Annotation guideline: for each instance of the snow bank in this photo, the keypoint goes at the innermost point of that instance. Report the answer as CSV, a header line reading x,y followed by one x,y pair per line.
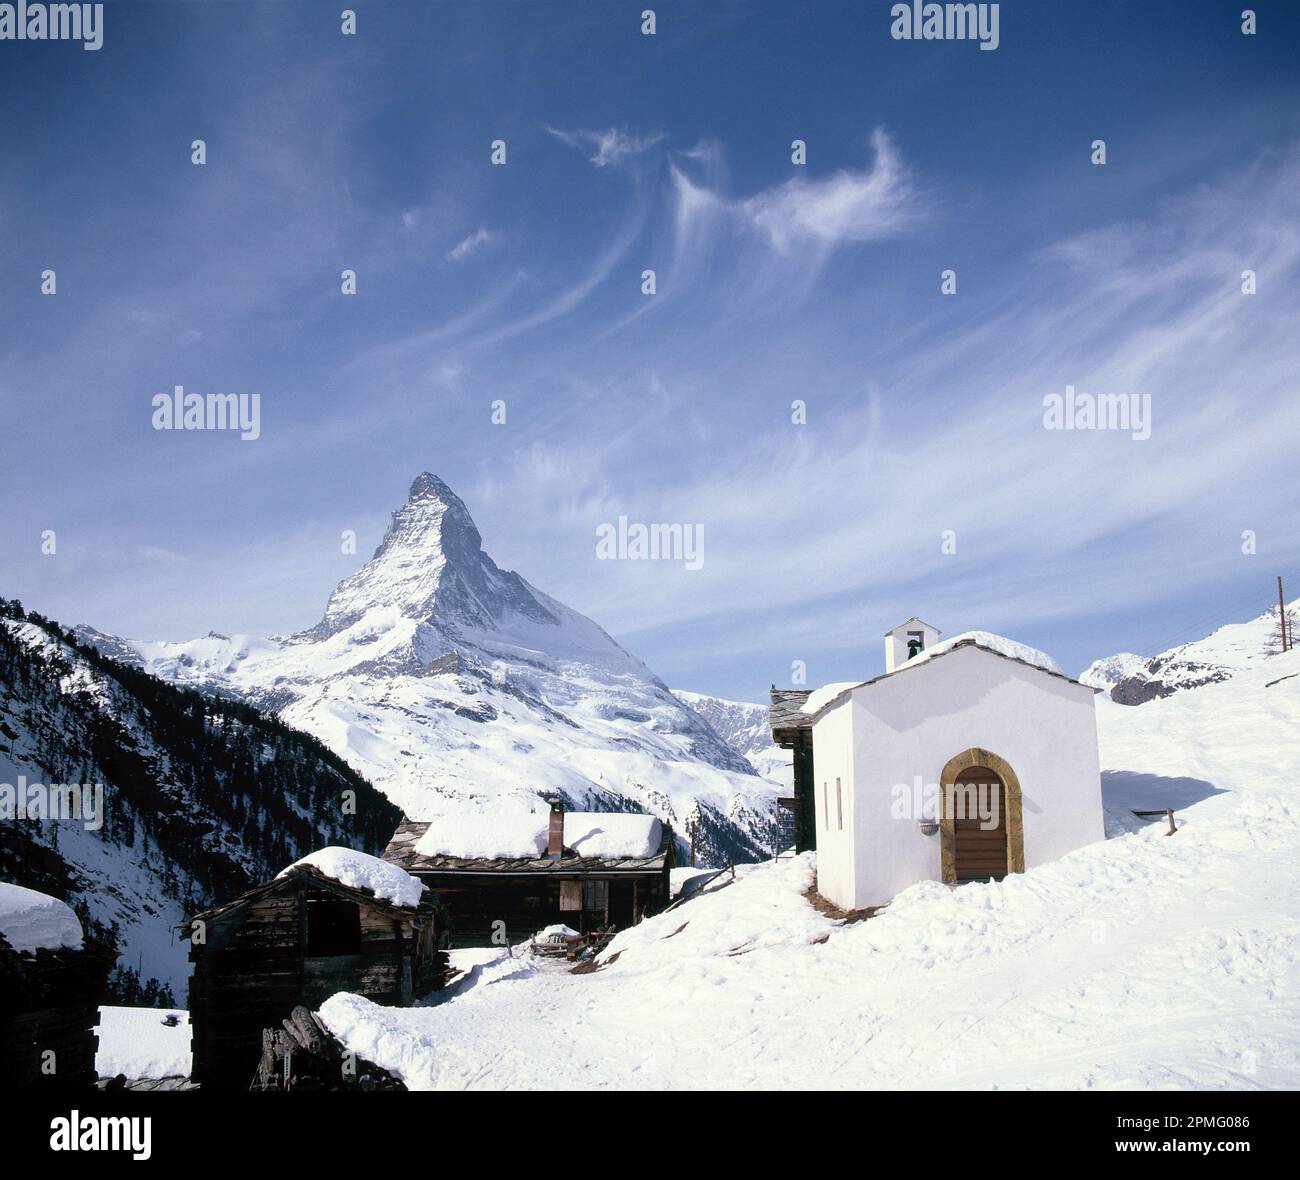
x,y
999,643
34,921
612,834
359,870
136,1043
504,831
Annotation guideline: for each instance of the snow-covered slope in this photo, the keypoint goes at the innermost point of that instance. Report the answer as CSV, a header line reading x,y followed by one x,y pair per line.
x,y
189,801
1233,648
452,684
1141,961
744,727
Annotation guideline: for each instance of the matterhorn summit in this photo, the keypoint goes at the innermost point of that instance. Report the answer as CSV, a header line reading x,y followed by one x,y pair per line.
x,y
431,567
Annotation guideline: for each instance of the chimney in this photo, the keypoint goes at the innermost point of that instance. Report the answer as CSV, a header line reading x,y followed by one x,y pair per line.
x,y
555,835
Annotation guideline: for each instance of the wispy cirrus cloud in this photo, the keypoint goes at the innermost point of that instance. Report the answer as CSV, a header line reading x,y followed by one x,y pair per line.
x,y
850,205
480,238
610,147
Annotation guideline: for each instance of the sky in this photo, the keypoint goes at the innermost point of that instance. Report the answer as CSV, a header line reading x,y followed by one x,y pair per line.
x,y
922,479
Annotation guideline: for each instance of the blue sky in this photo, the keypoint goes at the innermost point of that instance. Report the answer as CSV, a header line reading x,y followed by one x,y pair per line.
x,y
775,282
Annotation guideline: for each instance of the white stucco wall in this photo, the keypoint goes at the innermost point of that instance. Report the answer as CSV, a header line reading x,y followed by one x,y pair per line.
x,y
910,724
835,844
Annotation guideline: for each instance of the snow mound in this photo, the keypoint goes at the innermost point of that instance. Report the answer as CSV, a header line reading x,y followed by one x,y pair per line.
x,y
33,921
612,834
998,643
503,831
136,1043
820,697
359,870
557,933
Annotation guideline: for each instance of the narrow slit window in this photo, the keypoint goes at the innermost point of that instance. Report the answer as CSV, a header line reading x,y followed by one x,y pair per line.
x,y
839,806
826,805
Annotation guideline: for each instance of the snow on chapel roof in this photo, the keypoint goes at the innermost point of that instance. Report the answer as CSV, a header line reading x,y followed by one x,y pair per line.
x,y
33,921
997,644
827,693
358,870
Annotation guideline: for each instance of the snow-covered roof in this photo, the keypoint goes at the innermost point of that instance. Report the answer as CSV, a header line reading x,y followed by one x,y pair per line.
x,y
820,697
998,645
359,870
33,921
516,833
504,831
599,833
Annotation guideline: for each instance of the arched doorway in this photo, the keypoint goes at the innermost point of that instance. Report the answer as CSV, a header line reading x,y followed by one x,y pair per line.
x,y
981,823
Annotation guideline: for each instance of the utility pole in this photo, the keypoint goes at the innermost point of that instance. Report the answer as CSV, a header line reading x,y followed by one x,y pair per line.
x,y
1281,614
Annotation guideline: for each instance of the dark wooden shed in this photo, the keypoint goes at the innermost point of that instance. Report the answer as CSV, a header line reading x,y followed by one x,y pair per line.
x,y
49,1009
489,900
293,942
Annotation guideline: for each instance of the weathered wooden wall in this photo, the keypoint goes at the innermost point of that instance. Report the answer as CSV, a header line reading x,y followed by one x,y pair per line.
x,y
527,903
49,1003
254,969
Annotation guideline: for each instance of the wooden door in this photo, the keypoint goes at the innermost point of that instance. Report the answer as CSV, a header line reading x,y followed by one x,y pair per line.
x,y
979,826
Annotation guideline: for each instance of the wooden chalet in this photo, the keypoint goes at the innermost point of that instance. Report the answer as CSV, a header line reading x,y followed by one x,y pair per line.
x,y
293,942
792,730
49,1009
586,892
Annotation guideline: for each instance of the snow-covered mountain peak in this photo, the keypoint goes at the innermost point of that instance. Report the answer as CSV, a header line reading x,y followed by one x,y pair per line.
x,y
432,568
1110,670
